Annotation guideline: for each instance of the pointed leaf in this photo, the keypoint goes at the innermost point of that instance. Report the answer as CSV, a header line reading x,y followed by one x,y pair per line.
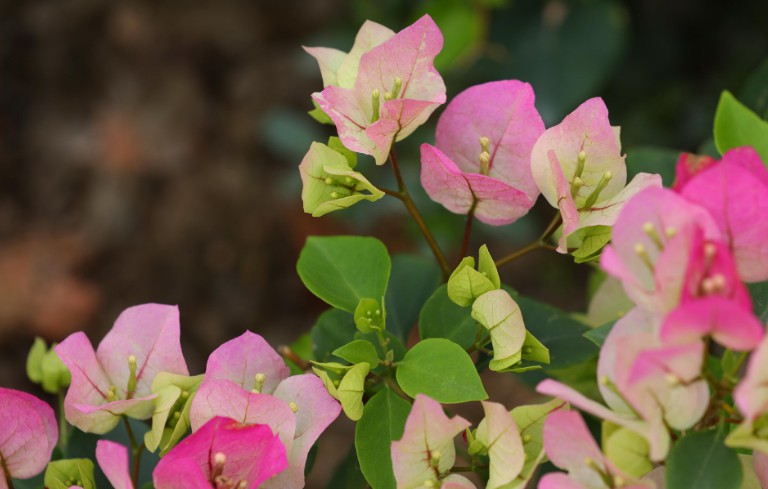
x,y
701,460
442,318
736,125
358,351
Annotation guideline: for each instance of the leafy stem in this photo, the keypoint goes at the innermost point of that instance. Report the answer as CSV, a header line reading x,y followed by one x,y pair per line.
x,y
136,448
403,195
540,242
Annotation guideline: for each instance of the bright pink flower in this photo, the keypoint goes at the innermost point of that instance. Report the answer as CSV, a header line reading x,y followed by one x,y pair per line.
x,y
116,379
483,152
651,245
113,460
222,453
247,380
570,446
395,91
28,434
579,169
647,392
713,301
735,192
688,166
426,451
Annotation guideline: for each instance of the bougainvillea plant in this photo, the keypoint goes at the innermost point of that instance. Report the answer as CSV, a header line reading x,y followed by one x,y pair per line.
x,y
669,389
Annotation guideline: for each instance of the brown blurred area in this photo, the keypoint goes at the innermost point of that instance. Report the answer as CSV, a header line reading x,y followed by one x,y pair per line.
x,y
132,168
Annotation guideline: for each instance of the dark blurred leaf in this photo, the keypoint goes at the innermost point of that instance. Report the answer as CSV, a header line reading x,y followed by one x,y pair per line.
x,y
334,328
441,318
412,280
759,293
702,460
347,473
558,331
463,25
566,50
598,335
649,159
754,93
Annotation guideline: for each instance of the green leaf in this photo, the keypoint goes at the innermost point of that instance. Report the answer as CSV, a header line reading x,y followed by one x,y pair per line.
x,y
351,390
701,460
412,281
35,360
62,474
759,293
736,125
558,331
487,266
598,335
393,343
358,351
442,370
370,316
333,329
441,318
382,422
341,270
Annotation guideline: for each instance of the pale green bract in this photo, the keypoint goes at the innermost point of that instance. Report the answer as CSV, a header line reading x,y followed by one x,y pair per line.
x,y
330,183
467,284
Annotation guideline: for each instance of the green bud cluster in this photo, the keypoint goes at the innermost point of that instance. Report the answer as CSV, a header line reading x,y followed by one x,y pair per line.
x,y
44,367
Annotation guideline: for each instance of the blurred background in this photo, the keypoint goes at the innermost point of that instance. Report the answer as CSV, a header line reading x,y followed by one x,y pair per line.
x,y
149,150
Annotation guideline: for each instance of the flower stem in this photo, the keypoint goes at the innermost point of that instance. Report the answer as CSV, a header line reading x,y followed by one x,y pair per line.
x,y
540,242
137,449
468,230
404,196
63,426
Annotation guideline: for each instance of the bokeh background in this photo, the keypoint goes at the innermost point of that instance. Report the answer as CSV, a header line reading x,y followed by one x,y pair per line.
x,y
149,150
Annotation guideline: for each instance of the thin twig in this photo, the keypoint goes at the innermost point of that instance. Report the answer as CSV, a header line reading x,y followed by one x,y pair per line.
x,y
468,230
540,242
405,197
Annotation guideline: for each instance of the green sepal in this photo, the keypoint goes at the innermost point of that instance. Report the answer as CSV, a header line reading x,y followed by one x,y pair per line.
x,y
63,474
174,395
319,114
467,284
589,242
487,267
370,316
351,390
335,144
331,381
359,351
46,368
626,449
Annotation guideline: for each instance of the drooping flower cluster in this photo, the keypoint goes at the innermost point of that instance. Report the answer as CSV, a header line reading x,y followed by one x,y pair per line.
x,y
682,257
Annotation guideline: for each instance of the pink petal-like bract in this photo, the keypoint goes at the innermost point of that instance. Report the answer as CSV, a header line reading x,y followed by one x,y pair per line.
x,y
651,244
586,129
503,113
751,395
98,393
407,57
222,449
28,434
242,358
735,192
688,166
113,460
427,431
496,202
